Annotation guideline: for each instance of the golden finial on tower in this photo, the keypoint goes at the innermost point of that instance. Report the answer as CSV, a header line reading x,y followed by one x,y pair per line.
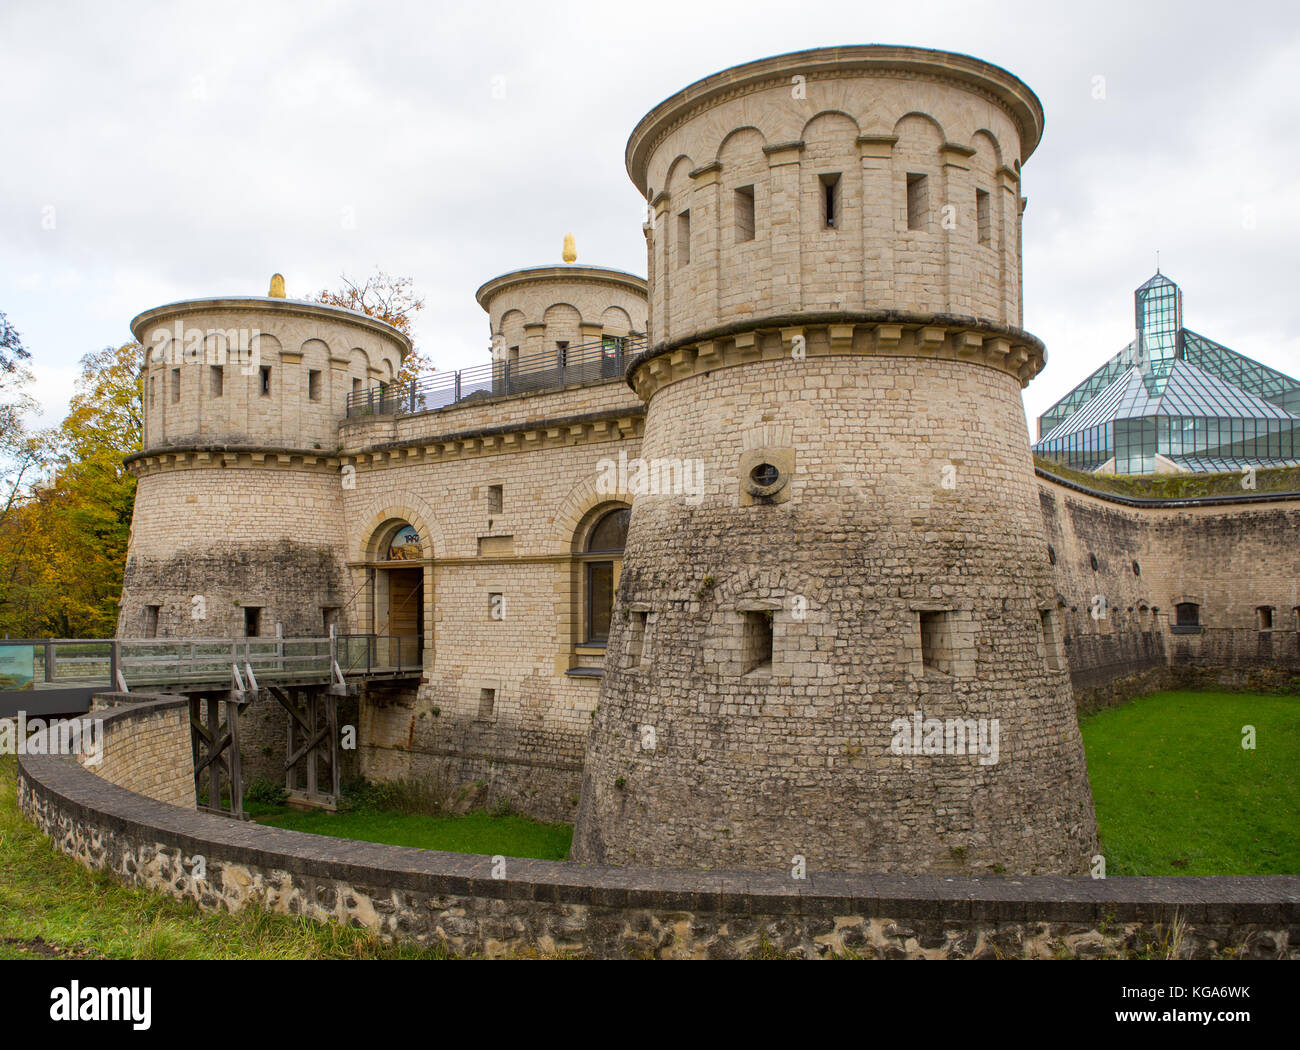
x,y
570,249
277,286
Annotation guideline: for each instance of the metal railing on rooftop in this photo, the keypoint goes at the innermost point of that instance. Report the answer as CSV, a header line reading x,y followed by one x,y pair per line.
x,y
606,358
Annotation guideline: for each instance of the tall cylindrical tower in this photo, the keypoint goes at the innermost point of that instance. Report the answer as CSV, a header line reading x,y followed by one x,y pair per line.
x,y
238,522
846,650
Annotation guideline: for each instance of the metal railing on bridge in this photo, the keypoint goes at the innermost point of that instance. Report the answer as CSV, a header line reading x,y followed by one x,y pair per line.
x,y
606,358
48,672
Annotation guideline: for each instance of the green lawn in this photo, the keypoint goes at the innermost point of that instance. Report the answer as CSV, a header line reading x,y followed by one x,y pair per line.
x,y
53,908
1176,794
510,836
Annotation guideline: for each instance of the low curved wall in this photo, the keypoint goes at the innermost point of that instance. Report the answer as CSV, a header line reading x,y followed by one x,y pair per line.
x,y
429,897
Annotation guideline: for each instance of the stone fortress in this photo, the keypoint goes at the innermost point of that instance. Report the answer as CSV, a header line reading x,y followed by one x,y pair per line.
x,y
682,555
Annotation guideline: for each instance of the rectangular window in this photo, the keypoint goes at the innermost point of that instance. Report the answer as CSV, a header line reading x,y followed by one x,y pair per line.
x,y
936,641
487,702
744,214
1265,614
252,621
600,600
356,387
313,385
983,217
151,392
216,380
329,619
638,646
264,380
684,238
495,498
1051,650
830,197
151,620
918,201
757,641
176,384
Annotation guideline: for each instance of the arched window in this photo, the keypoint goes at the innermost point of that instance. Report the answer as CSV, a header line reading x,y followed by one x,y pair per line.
x,y
603,557
404,546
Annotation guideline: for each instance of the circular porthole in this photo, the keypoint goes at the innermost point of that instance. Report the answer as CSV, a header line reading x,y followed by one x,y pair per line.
x,y
765,479
1092,560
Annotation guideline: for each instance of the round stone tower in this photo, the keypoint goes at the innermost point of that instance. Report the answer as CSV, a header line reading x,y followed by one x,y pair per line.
x,y
846,650
535,310
238,522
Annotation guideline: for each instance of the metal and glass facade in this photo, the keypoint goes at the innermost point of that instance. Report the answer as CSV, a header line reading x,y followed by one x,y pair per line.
x,y
1173,400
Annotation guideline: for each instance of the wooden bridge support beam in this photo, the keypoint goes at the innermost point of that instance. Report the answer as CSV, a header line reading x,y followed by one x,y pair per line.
x,y
215,748
313,741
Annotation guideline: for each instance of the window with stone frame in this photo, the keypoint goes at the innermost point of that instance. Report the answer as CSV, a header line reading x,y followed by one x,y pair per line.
x,y
601,560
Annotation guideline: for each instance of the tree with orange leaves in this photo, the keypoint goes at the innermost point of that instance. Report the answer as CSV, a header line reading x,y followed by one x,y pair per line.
x,y
389,299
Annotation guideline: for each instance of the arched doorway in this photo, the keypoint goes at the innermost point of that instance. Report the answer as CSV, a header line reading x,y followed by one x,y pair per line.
x,y
397,611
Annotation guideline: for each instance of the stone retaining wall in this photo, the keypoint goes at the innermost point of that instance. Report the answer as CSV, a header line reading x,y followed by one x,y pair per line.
x,y
146,746
549,907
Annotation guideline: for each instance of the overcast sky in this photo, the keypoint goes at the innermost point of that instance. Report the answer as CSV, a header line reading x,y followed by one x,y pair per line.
x,y
155,153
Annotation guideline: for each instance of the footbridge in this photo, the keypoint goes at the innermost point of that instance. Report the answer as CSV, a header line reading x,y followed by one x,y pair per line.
x,y
59,677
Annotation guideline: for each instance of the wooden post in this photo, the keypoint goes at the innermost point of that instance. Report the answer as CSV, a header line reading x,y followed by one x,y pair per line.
x,y
236,778
334,744
214,774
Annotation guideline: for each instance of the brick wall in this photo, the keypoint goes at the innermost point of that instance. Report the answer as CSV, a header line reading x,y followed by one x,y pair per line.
x,y
146,746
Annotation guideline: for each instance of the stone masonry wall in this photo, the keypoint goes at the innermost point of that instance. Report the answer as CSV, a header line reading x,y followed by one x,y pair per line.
x,y
146,746
428,898
752,766
1118,612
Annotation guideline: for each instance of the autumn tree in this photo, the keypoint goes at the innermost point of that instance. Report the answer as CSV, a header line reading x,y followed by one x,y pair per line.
x,y
389,299
23,450
63,546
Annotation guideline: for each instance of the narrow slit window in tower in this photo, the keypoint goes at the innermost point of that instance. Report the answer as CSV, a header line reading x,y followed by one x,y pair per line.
x,y
745,214
830,194
918,201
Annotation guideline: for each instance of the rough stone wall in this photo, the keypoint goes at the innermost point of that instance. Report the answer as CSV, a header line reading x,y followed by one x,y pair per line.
x,y
236,536
527,751
1228,559
146,747
753,767
872,126
542,907
516,412
533,309
290,338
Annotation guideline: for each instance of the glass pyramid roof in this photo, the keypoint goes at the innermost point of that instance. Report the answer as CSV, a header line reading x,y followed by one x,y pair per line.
x,y
1187,391
1227,383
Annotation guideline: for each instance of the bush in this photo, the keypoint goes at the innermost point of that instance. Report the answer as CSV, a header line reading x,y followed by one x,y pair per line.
x,y
265,793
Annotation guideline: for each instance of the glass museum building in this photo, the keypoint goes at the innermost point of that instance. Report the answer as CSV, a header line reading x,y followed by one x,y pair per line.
x,y
1174,401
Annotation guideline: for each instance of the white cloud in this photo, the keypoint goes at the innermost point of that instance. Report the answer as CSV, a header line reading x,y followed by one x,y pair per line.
x,y
192,151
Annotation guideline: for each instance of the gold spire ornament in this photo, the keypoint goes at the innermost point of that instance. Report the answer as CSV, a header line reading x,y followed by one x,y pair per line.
x,y
570,253
277,287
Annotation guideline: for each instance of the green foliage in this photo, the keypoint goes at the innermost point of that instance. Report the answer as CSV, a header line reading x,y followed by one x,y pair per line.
x,y
264,793
485,833
1176,794
63,541
52,907
1176,486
